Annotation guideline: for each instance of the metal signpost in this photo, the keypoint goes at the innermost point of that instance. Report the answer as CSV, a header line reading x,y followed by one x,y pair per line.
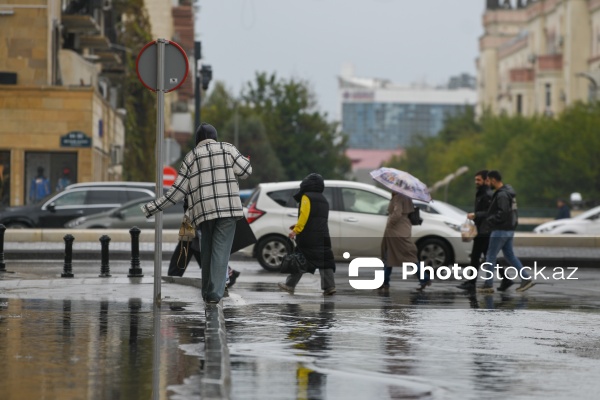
x,y
162,67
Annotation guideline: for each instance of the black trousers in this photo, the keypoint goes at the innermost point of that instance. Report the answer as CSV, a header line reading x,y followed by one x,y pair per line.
x,y
178,268
479,250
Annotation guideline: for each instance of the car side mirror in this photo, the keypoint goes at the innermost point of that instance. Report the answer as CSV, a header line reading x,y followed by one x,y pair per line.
x,y
51,207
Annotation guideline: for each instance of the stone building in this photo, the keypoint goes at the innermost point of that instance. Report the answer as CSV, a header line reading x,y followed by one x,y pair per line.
x,y
58,106
538,56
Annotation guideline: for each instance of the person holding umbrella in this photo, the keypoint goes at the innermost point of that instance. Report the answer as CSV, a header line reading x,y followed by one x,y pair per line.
x,y
396,245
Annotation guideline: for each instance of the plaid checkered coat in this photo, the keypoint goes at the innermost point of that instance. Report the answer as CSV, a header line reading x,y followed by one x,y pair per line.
x,y
208,179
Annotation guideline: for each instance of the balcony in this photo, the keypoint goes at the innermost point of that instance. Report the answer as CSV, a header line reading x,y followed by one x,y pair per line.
x,y
550,62
521,75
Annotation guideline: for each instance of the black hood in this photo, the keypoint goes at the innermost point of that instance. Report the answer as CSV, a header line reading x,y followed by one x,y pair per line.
x,y
312,183
205,131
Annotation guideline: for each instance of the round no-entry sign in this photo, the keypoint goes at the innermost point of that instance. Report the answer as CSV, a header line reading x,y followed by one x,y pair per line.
x,y
169,175
176,66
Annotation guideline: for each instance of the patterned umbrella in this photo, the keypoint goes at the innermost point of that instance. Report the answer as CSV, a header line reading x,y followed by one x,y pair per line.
x,y
402,182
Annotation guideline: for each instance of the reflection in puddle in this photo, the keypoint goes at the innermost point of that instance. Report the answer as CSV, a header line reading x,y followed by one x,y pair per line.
x,y
68,349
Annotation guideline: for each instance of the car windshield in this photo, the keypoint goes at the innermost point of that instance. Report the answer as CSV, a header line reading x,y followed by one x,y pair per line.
x,y
589,214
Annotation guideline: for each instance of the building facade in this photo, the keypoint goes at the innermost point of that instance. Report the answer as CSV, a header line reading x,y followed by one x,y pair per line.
x,y
538,56
377,114
57,106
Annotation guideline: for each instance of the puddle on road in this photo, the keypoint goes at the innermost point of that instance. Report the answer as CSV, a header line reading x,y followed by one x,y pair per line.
x,y
94,350
329,351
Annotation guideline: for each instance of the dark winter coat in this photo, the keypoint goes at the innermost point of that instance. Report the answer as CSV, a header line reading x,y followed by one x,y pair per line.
x,y
314,240
483,199
502,214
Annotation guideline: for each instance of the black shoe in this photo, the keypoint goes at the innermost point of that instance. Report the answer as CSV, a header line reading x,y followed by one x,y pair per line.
x,y
232,278
506,283
383,288
423,285
469,285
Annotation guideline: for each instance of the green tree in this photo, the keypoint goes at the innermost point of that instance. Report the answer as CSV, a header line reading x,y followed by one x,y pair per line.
x,y
301,136
139,102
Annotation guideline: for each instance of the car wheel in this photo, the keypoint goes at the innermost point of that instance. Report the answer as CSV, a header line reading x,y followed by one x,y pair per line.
x,y
270,251
434,252
17,225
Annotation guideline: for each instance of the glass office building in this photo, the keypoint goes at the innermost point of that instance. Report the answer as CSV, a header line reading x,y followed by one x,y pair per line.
x,y
378,115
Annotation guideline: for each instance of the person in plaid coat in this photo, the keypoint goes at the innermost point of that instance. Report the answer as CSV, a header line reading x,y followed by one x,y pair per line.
x,y
208,179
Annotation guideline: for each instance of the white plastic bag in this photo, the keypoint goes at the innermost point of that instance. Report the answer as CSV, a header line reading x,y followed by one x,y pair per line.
x,y
468,230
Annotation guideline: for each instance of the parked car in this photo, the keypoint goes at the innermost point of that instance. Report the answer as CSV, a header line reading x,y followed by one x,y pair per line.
x,y
127,216
354,228
77,200
586,223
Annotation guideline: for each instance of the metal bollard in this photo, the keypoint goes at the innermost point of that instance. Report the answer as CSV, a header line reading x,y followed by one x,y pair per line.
x,y
135,271
2,264
104,266
68,267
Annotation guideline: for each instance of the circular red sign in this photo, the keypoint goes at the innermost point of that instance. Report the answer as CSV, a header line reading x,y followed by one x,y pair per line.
x,y
169,175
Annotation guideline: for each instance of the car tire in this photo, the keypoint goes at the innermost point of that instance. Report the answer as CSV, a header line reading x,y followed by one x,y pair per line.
x,y
434,252
270,251
17,225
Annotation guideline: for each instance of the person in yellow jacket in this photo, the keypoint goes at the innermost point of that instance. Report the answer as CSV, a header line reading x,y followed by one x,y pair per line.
x,y
312,235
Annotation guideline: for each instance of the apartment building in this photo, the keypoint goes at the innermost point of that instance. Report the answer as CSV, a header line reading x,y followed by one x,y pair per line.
x,y
58,106
538,56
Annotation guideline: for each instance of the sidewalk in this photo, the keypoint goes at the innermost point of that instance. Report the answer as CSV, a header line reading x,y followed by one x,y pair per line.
x,y
216,381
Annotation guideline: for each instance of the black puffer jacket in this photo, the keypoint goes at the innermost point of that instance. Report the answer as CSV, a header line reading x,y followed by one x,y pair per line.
x,y
502,215
314,240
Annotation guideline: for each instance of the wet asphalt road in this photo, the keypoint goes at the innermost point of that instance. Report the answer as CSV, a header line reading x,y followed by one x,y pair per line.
x,y
441,344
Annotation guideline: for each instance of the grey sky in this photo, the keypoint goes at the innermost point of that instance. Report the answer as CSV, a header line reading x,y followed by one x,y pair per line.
x,y
401,40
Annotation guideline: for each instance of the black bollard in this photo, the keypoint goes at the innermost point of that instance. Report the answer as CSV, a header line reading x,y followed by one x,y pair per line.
x,y
135,271
68,267
104,266
2,264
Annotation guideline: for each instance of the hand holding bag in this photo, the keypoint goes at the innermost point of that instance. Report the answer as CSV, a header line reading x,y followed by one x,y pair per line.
x,y
187,233
468,230
293,262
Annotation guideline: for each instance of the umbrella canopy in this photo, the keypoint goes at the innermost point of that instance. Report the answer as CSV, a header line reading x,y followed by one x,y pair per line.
x,y
402,182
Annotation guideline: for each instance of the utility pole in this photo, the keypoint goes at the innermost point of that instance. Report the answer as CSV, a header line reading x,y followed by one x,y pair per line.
x,y
203,73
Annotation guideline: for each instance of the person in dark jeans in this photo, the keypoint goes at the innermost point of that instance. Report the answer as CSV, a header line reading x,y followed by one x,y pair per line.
x,y
483,199
502,220
181,259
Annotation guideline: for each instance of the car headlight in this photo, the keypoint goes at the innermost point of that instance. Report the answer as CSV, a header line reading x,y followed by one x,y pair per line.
x,y
546,229
75,222
453,226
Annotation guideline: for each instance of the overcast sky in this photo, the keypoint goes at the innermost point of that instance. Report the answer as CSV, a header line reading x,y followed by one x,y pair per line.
x,y
402,40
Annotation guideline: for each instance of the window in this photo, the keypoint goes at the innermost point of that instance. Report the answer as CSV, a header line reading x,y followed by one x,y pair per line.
x,y
519,104
137,194
133,210
73,198
4,178
283,197
105,197
548,96
361,201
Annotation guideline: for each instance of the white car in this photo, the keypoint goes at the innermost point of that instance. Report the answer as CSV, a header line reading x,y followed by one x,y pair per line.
x,y
587,223
354,228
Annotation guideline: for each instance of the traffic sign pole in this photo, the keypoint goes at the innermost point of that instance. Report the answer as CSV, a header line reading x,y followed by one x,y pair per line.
x,y
162,77
160,135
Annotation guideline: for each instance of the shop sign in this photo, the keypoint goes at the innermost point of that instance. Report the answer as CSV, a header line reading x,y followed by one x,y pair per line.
x,y
75,139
